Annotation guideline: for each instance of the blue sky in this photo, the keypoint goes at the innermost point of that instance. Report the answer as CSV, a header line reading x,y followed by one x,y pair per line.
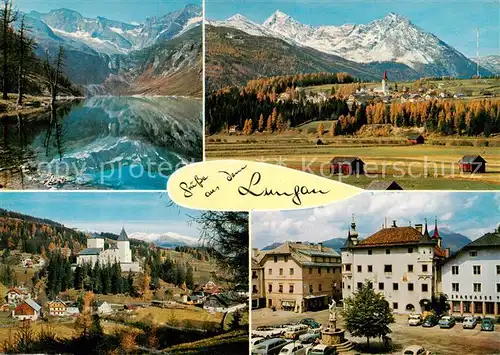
x,y
147,212
471,214
454,22
122,10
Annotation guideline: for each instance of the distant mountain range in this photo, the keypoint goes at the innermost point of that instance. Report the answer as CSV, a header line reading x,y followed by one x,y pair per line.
x,y
450,239
100,50
166,240
490,62
393,39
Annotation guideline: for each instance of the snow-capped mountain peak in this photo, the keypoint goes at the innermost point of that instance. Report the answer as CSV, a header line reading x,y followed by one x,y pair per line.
x,y
393,38
238,17
169,239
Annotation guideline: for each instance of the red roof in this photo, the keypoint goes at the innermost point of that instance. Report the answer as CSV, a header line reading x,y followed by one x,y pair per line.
x,y
436,232
393,236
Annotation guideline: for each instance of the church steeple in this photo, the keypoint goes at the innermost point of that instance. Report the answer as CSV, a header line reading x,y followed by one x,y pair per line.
x,y
426,232
436,235
123,236
385,76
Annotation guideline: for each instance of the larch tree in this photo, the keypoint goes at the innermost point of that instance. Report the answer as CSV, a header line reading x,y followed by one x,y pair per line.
x,y
261,123
25,45
321,128
8,16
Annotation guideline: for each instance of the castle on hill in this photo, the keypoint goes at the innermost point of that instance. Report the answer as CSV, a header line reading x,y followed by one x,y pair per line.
x,y
116,253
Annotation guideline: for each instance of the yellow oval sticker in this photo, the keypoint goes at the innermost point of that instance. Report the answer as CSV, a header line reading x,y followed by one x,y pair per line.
x,y
238,185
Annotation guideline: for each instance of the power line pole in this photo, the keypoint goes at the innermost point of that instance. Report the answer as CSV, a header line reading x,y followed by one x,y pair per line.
x,y
477,53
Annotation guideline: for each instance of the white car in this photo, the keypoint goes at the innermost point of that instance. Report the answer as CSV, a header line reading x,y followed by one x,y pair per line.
x,y
294,331
416,350
268,332
414,319
294,349
256,340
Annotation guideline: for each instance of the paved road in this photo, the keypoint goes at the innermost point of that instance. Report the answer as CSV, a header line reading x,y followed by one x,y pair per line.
x,y
455,341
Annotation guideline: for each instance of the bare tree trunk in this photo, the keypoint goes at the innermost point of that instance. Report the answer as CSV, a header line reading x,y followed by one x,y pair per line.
x,y
5,27
8,17
21,64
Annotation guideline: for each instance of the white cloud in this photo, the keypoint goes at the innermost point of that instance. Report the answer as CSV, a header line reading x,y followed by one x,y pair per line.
x,y
446,217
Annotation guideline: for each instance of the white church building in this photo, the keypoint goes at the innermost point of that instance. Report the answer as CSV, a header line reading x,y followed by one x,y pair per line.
x,y
119,252
384,89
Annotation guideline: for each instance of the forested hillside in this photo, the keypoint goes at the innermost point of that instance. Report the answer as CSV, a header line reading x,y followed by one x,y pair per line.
x,y
35,235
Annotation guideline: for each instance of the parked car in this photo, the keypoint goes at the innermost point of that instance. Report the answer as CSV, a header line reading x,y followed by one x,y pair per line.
x,y
416,350
430,321
414,319
268,332
256,341
446,322
469,323
294,331
311,336
270,346
487,324
322,350
293,349
311,323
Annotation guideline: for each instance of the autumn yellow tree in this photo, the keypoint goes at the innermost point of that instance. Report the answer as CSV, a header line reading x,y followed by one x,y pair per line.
x,y
331,131
280,123
128,341
146,283
261,123
321,128
84,320
269,125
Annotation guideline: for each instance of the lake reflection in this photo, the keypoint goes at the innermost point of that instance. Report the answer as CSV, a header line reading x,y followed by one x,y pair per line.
x,y
102,142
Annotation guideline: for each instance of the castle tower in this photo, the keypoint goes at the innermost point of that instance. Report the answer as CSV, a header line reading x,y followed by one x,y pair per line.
x,y
384,84
95,241
124,247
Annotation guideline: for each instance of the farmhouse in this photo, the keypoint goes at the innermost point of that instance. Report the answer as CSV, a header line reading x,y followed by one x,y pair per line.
x,y
72,311
384,185
399,262
29,309
233,129
17,295
347,166
471,277
415,139
296,276
472,164
104,307
222,303
57,308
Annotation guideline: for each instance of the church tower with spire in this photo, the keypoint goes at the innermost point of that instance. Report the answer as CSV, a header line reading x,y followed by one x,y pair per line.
x,y
436,235
385,89
124,247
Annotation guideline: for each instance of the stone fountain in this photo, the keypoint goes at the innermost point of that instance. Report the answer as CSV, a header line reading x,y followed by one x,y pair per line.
x,y
333,336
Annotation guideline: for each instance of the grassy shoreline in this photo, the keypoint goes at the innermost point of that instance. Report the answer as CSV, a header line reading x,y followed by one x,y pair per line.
x,y
31,105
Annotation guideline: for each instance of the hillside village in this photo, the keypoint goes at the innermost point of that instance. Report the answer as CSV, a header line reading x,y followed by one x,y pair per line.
x,y
123,280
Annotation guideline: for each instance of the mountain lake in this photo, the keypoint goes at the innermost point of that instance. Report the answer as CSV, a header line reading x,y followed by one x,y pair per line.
x,y
103,142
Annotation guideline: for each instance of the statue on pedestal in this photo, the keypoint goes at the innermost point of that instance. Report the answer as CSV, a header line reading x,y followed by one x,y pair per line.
x,y
333,314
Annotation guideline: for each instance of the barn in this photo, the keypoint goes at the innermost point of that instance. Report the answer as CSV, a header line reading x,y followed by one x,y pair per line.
x,y
416,139
472,164
347,166
384,185
29,309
